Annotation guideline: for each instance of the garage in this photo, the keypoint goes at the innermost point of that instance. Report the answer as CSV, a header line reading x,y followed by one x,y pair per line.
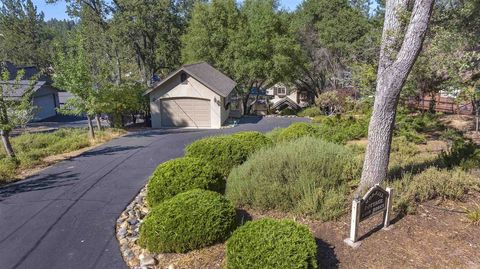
x,y
185,112
194,96
45,106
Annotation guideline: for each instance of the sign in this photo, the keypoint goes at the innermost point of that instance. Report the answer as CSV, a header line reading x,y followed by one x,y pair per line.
x,y
375,201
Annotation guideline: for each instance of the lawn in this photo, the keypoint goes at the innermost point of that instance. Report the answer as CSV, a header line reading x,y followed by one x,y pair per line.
x,y
36,150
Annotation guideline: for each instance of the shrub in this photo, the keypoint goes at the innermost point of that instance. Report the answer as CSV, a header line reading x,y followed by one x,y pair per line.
x,y
8,166
433,183
288,112
473,215
180,175
341,129
188,221
253,140
462,153
274,134
308,176
297,130
223,152
269,243
310,112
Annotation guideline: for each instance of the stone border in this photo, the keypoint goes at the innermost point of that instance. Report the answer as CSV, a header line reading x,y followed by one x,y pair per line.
x,y
127,232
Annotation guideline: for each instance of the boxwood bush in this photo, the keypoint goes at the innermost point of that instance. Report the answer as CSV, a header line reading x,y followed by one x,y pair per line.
x,y
253,140
307,176
269,243
182,174
223,152
188,221
297,130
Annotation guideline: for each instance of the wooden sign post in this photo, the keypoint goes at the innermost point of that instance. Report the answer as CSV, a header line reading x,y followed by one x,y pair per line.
x,y
375,201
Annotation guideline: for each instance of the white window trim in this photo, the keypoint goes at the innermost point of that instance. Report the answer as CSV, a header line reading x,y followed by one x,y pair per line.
x,y
283,89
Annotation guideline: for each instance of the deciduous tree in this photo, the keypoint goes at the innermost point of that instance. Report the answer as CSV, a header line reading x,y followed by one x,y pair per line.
x,y
401,44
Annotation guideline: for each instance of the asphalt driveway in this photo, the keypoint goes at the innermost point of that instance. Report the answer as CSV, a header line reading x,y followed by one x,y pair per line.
x,y
65,216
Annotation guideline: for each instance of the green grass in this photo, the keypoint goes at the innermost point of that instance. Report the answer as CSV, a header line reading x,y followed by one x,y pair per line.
x,y
31,149
473,215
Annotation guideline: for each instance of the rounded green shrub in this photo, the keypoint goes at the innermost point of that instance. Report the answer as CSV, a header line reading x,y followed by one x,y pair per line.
x,y
269,243
313,111
253,140
180,175
297,130
223,152
307,176
188,221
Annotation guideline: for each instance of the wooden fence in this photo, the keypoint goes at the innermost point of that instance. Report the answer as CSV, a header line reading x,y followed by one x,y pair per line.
x,y
441,104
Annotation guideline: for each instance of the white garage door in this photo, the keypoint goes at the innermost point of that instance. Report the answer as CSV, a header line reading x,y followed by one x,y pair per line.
x,y
45,106
185,112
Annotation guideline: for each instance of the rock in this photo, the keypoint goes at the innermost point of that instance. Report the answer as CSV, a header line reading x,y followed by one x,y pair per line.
x,y
122,232
147,260
128,254
132,221
172,266
123,241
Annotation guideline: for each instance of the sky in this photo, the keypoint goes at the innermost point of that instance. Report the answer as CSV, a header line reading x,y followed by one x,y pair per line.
x,y
58,9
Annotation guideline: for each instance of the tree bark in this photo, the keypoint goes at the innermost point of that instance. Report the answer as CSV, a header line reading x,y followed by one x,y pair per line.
x,y
6,143
394,67
99,123
90,127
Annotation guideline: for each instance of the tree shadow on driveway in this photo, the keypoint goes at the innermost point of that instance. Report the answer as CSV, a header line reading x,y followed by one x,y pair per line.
x,y
111,150
50,181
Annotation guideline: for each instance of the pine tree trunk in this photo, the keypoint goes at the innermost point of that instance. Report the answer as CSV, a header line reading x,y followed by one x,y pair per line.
x,y
99,124
90,127
394,67
6,143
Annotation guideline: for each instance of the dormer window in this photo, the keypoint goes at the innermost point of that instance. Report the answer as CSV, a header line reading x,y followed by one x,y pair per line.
x,y
281,91
183,78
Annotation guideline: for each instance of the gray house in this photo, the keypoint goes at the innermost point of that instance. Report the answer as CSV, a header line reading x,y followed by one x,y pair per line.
x,y
44,96
195,95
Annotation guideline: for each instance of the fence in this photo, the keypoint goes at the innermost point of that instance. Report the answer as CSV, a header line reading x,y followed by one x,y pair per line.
x,y
441,104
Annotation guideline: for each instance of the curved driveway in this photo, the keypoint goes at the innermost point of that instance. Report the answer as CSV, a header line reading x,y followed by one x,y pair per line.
x,y
65,216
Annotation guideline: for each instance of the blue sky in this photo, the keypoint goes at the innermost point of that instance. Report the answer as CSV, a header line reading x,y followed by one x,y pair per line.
x,y
58,10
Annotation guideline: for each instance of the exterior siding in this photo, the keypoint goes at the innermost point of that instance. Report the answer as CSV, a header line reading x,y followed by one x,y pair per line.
x,y
192,88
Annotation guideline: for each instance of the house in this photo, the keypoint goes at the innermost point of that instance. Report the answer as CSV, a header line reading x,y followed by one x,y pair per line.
x,y
282,96
195,95
44,96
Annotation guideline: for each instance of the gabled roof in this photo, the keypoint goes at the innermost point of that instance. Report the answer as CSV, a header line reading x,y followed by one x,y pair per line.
x,y
205,74
286,100
21,86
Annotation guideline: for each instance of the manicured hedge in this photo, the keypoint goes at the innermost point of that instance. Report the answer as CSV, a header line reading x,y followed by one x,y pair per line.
x,y
223,152
183,174
269,243
188,221
253,140
307,176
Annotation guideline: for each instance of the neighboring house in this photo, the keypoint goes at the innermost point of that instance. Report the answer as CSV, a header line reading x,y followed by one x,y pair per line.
x,y
196,95
44,96
284,96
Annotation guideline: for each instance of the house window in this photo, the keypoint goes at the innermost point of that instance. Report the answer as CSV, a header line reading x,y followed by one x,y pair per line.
x,y
281,91
183,78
